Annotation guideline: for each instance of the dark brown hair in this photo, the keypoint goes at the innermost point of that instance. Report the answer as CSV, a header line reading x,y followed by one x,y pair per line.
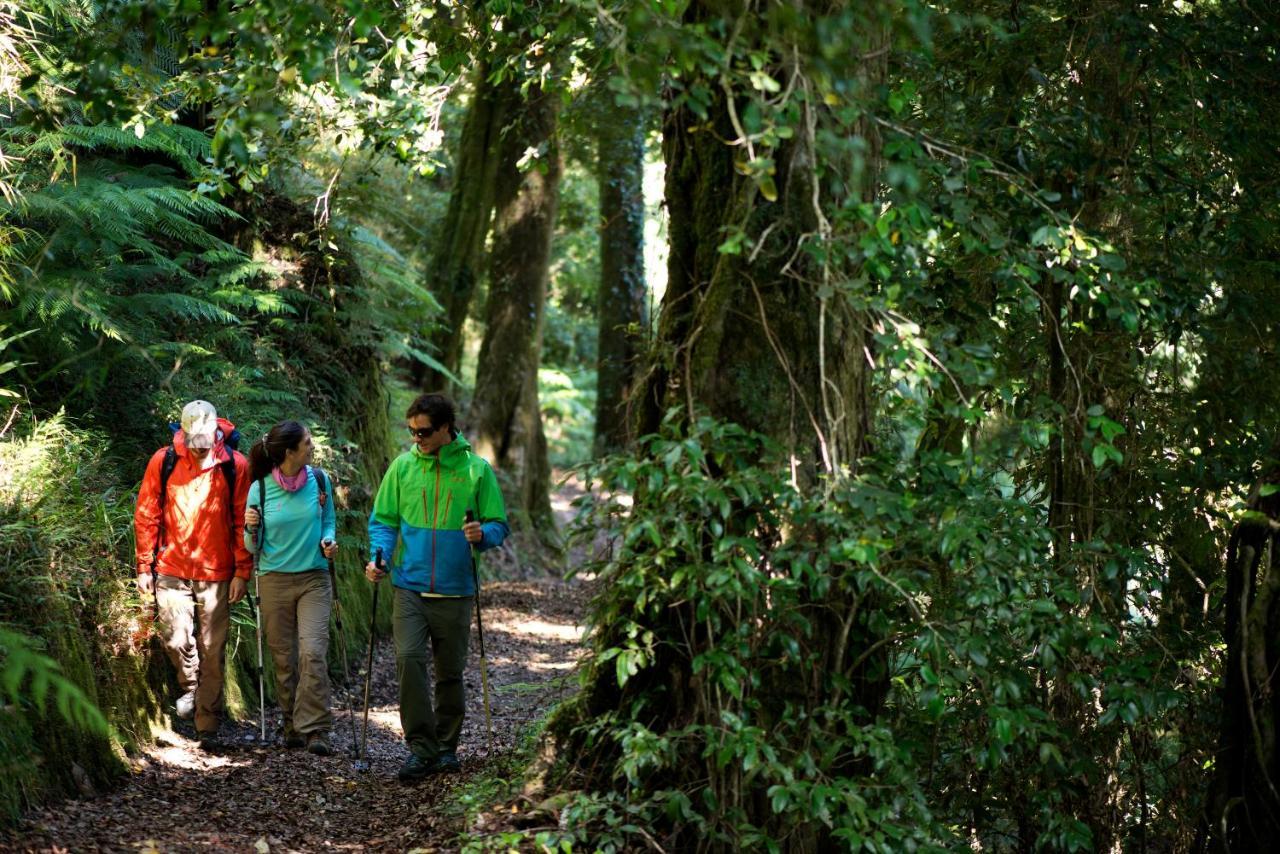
x,y
437,407
268,452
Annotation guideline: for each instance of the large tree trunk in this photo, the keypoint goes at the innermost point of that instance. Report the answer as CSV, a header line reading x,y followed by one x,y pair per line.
x,y
621,300
753,337
456,262
506,420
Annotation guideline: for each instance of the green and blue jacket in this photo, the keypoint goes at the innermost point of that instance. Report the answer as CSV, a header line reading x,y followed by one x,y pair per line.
x,y
423,502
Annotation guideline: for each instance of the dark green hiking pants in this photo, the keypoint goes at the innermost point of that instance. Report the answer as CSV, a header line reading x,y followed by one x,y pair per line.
x,y
431,630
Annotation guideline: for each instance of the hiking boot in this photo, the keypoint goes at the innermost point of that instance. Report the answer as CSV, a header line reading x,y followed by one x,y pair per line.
x,y
292,738
416,768
447,763
186,706
318,744
209,742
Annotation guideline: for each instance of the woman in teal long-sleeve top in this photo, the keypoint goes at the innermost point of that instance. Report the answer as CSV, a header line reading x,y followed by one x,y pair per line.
x,y
289,525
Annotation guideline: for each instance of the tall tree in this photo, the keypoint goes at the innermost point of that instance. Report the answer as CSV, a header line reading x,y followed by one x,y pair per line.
x,y
621,307
505,416
770,158
458,257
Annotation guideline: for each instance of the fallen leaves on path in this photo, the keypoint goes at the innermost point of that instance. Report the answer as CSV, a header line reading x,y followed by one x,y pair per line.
x,y
262,798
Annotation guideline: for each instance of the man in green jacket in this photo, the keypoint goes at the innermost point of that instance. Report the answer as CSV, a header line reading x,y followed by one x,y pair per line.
x,y
422,503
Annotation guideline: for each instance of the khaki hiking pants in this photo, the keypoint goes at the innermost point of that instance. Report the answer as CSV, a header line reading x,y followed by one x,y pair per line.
x,y
431,630
193,617
295,616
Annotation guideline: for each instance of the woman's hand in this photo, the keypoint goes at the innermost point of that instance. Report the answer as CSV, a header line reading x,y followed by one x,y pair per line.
x,y
329,548
252,519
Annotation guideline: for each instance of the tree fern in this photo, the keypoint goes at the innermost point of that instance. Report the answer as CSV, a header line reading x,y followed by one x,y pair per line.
x,y
178,144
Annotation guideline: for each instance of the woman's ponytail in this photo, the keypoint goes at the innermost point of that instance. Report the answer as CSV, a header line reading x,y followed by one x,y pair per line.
x,y
269,451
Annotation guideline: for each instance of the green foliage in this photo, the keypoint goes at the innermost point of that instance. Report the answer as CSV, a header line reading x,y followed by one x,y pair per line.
x,y
69,621
568,403
569,326
710,684
28,676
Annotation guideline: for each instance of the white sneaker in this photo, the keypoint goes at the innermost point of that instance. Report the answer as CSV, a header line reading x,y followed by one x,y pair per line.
x,y
187,706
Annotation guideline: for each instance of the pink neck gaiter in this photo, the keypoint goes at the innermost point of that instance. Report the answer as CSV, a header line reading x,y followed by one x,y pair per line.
x,y
290,484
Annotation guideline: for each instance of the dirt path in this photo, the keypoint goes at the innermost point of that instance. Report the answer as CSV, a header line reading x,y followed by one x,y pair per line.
x,y
258,799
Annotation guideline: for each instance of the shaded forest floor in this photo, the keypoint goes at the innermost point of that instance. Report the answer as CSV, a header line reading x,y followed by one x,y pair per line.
x,y
255,798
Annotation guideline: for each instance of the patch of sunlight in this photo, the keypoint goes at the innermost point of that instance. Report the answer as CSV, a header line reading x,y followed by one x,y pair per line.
x,y
177,751
387,716
191,759
542,629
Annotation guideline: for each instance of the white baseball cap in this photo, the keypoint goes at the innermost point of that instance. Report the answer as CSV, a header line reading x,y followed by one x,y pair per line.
x,y
199,423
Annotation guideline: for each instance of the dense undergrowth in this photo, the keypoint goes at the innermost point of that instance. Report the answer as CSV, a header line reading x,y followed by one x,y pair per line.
x,y
890,663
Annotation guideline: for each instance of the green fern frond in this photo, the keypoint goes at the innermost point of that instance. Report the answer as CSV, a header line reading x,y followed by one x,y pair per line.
x,y
178,349
261,395
179,306
230,272
29,676
268,303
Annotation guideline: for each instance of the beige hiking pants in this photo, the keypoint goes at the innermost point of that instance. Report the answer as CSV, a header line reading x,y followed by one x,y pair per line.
x,y
295,615
193,617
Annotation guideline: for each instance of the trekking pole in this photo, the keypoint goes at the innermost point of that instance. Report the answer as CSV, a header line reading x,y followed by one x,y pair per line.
x,y
342,642
484,660
362,764
256,610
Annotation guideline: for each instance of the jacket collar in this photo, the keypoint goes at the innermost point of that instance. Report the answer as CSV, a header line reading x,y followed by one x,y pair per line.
x,y
449,454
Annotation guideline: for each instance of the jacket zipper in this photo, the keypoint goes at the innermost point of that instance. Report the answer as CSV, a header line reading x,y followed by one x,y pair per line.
x,y
435,519
433,545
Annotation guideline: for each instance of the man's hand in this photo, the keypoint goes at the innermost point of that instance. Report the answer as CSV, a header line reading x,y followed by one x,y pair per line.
x,y
251,518
239,587
473,532
146,584
329,548
372,572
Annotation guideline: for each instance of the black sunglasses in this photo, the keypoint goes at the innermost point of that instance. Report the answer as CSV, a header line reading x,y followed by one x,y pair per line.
x,y
422,432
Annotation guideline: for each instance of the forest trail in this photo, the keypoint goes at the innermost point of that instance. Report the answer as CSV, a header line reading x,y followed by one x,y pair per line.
x,y
254,799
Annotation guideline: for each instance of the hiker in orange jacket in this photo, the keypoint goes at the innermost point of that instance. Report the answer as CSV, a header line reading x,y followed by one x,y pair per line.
x,y
191,555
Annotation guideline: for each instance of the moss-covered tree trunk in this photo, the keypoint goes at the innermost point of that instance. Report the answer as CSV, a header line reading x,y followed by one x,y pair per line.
x,y
750,337
505,417
621,299
457,257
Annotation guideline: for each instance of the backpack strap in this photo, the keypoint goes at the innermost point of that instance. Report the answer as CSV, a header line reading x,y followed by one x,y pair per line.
x,y
228,467
322,485
322,498
166,470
